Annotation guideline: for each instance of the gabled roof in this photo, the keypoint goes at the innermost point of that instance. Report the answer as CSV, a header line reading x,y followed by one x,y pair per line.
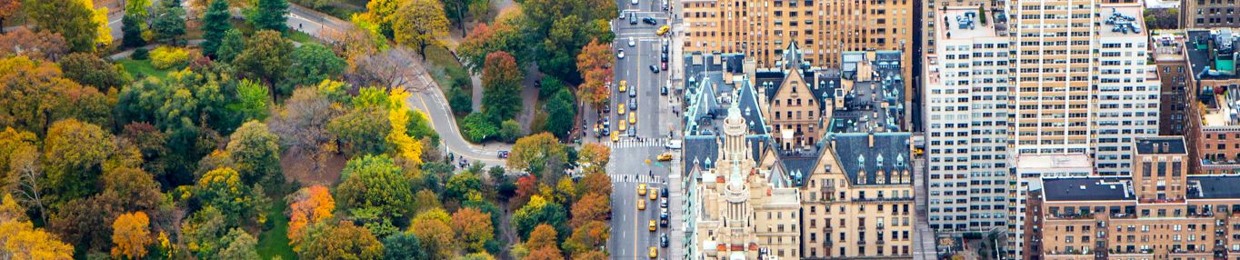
x,y
702,151
890,153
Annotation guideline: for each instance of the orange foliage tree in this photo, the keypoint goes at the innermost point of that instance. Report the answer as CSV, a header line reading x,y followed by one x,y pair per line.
x,y
594,63
132,234
309,205
474,226
591,207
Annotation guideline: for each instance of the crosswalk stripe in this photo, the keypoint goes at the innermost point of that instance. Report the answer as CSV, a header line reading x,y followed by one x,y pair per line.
x,y
636,178
629,143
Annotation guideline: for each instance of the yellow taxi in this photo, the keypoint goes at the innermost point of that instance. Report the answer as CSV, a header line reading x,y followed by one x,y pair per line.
x,y
632,118
641,205
653,226
623,85
665,157
653,194
624,125
641,189
615,137
662,30
654,252
620,109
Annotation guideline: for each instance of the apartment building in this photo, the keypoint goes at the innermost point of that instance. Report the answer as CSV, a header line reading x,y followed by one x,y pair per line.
x,y
1215,133
792,101
967,116
1161,211
823,29
1209,14
1031,168
1176,98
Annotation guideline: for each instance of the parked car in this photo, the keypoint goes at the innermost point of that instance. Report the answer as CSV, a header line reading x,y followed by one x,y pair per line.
x,y
663,240
663,57
503,154
663,90
663,203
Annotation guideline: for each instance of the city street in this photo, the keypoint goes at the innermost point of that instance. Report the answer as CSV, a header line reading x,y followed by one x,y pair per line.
x,y
634,159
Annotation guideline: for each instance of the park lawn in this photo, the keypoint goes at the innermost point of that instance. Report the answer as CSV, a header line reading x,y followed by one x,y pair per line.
x,y
142,68
300,37
275,242
446,69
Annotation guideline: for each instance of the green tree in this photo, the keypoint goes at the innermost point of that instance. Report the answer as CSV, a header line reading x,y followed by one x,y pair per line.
x,y
168,21
223,189
265,57
533,153
214,25
478,127
137,7
311,64
73,19
501,84
269,15
403,246
238,244
458,10
362,131
561,111
202,232
89,69
461,184
484,39
251,102
539,211
510,130
375,181
420,24
256,154
340,241
232,44
79,150
131,30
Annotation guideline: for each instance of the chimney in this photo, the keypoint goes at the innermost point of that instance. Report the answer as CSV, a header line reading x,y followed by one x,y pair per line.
x,y
1156,148
871,140
1167,148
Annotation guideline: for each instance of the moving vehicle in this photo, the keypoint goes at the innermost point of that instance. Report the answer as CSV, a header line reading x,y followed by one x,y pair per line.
x,y
620,54
650,21
633,118
665,157
641,205
620,109
674,144
641,189
654,252
624,84
633,132
662,30
632,41
652,225
654,193
633,104
633,91
633,18
663,90
654,69
503,154
624,125
615,137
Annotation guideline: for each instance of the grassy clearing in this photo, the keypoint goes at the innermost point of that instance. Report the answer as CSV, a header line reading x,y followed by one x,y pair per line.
x,y
275,243
142,68
301,37
446,70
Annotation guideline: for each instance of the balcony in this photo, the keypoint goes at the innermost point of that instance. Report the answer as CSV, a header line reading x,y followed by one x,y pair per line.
x,y
880,227
861,242
880,242
827,243
827,229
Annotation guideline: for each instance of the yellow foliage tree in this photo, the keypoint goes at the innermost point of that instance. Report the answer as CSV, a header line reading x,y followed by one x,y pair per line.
x,y
20,240
309,205
398,114
132,234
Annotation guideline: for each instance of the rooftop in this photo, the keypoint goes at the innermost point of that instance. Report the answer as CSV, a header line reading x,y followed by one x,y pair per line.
x,y
1086,189
701,151
1161,145
1168,45
1214,187
963,22
1053,161
1212,54
872,94
1121,20
887,153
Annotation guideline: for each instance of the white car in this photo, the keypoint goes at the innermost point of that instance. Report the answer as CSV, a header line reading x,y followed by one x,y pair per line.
x,y
632,41
634,2
620,54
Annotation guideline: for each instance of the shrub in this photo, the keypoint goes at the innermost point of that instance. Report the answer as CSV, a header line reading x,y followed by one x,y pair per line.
x,y
165,57
461,101
140,54
478,127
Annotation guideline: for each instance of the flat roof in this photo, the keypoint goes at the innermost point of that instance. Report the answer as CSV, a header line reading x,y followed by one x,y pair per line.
x,y
1053,161
1214,187
1085,189
1161,145
955,16
1127,20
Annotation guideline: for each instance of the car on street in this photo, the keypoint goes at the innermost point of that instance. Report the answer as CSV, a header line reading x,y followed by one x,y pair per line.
x,y
620,54
620,109
624,125
664,191
650,21
632,41
654,252
641,189
654,194
503,154
663,203
665,157
653,226
624,84
662,30
674,144
663,65
641,205
615,137
633,18
663,57
663,240
654,69
632,104
623,14
632,132
633,118
634,2
663,90
633,92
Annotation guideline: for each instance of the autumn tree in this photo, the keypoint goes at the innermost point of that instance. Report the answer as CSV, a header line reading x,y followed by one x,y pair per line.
x,y
421,24
501,84
474,227
545,253
20,172
311,64
543,236
587,237
458,10
19,239
136,189
239,244
426,200
86,222
132,234
7,9
532,153
433,229
374,184
593,157
594,62
591,255
202,232
256,152
307,206
269,15
80,150
265,57
382,13
40,45
224,189
73,19
484,39
91,70
540,211
342,240
591,207
390,68
214,25
301,123
36,95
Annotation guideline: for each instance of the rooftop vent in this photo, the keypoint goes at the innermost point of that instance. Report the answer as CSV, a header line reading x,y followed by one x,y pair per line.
x,y
1123,23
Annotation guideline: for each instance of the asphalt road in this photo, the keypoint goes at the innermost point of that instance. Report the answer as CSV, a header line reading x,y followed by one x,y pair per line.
x,y
634,159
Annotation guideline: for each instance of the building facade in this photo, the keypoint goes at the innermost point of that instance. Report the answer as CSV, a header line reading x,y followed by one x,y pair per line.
x,y
1176,98
1215,133
1031,168
1209,14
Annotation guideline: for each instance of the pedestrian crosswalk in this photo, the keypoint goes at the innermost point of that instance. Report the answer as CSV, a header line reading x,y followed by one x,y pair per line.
x,y
635,178
632,142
